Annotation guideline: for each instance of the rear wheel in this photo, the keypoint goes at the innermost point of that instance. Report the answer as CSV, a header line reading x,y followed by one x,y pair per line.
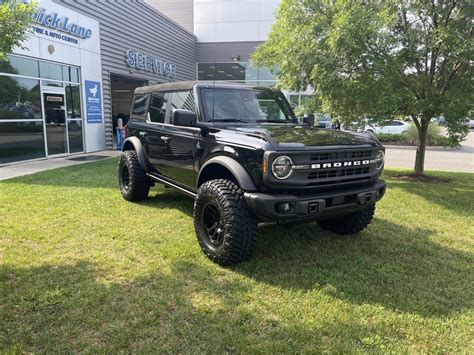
x,y
225,228
350,224
133,182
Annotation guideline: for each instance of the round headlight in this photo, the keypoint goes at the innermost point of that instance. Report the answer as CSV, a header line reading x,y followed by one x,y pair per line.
x,y
282,167
379,158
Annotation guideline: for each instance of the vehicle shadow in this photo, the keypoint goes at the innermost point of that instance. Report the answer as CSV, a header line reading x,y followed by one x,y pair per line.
x,y
388,264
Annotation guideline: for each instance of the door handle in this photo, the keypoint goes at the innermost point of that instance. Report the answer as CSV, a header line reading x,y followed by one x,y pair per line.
x,y
165,138
142,134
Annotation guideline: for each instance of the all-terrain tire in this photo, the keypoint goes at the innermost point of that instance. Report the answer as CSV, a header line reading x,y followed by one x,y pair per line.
x,y
133,182
350,224
220,205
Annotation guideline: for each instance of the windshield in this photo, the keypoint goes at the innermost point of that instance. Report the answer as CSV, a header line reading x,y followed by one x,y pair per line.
x,y
245,105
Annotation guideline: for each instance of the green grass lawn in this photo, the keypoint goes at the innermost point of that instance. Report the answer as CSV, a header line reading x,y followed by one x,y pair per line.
x,y
82,270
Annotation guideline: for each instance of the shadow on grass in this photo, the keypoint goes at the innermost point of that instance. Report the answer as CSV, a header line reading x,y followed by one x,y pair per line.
x,y
388,264
457,195
64,308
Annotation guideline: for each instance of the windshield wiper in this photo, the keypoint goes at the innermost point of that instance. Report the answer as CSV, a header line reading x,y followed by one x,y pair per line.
x,y
229,120
273,121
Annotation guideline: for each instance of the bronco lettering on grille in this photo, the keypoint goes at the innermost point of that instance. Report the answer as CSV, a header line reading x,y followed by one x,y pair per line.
x,y
339,164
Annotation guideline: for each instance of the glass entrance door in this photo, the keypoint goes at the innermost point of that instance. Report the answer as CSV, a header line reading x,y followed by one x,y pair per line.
x,y
55,120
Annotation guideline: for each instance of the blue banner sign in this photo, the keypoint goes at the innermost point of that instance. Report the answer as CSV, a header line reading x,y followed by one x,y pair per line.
x,y
93,102
61,23
149,63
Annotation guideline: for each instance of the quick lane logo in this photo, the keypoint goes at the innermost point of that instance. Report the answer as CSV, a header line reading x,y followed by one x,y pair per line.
x,y
61,23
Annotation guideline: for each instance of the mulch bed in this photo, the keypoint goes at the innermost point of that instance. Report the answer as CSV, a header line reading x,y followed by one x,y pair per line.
x,y
421,178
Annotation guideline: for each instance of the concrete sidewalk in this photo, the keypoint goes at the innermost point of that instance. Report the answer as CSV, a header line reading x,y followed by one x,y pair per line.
x,y
11,171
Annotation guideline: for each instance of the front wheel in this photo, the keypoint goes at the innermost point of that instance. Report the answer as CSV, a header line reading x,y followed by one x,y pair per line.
x,y
133,182
225,227
350,224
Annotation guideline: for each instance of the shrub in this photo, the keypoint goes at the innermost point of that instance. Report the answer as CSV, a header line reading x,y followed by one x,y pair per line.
x,y
434,134
391,138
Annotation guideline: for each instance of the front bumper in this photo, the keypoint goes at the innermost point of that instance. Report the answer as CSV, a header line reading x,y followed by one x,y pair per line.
x,y
269,206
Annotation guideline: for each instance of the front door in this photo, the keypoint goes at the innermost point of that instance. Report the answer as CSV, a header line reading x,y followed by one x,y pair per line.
x,y
55,120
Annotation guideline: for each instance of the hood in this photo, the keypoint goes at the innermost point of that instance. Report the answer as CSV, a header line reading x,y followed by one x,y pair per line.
x,y
296,137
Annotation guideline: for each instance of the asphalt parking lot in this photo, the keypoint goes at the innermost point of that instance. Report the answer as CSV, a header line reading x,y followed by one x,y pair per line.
x,y
437,158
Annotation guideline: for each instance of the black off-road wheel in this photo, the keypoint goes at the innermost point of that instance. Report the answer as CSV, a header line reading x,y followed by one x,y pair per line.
x,y
225,228
350,224
133,182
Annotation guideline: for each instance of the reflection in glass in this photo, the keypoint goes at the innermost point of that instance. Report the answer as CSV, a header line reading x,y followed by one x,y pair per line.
x,y
51,71
238,71
70,74
73,101
19,98
75,136
55,117
20,66
21,141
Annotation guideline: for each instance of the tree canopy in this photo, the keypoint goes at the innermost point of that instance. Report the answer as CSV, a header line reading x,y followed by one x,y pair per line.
x,y
15,17
378,59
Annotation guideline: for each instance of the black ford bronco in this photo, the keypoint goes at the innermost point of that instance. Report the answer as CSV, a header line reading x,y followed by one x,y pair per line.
x,y
240,153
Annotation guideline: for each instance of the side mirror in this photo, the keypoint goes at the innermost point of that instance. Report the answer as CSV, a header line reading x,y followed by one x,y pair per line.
x,y
183,118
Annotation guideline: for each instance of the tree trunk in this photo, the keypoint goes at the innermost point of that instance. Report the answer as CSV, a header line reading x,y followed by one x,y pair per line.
x,y
421,148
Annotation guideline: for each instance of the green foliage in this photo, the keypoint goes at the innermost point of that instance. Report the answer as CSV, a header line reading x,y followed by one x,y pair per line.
x,y
377,58
83,271
435,137
15,19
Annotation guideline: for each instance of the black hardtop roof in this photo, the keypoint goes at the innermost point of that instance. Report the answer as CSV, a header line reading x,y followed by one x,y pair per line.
x,y
188,85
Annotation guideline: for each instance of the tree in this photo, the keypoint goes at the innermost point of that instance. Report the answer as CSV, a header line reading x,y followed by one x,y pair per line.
x,y
15,18
378,60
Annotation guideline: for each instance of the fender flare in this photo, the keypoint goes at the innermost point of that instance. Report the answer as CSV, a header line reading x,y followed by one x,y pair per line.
x,y
236,169
133,143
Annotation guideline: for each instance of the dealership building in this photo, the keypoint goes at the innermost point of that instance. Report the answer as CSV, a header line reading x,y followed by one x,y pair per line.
x,y
64,92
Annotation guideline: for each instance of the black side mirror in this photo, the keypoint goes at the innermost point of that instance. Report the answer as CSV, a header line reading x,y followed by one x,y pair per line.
x,y
183,118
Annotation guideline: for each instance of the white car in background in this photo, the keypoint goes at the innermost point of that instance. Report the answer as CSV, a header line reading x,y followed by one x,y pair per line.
x,y
390,127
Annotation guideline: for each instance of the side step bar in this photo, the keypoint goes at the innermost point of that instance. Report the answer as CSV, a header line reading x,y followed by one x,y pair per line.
x,y
170,184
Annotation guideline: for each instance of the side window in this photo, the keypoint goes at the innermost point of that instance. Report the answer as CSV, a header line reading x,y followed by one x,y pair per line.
x,y
139,105
183,100
157,108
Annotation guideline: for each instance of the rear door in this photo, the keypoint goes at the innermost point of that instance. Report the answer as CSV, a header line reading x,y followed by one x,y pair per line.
x,y
155,119
179,143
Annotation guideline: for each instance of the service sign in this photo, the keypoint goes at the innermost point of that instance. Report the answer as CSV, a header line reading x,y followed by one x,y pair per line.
x,y
93,101
139,60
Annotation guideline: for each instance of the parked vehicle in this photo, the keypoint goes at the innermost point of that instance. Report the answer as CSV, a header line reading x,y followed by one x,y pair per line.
x,y
391,127
237,151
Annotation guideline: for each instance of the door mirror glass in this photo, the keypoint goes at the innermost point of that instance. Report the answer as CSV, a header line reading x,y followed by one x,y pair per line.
x,y
184,118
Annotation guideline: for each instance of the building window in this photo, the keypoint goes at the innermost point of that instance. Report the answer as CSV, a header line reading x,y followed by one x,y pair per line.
x,y
235,71
20,66
19,99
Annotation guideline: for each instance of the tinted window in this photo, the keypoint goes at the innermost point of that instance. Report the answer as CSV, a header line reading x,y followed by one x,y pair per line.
x,y
19,99
73,101
183,100
157,108
21,141
256,105
139,105
21,66
51,71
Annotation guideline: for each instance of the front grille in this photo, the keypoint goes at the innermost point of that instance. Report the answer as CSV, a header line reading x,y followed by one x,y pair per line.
x,y
334,173
341,155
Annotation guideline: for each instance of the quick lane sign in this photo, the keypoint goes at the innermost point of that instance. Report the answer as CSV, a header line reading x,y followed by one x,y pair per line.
x,y
61,23
149,63
93,102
